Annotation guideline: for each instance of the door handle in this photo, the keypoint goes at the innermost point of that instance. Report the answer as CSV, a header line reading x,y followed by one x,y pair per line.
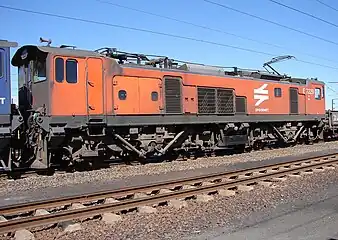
x,y
90,84
91,108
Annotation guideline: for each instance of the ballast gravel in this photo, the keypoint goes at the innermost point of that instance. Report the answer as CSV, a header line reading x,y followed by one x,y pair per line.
x,y
197,218
125,171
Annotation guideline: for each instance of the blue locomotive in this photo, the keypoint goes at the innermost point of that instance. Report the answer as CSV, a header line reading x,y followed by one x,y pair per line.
x,y
6,116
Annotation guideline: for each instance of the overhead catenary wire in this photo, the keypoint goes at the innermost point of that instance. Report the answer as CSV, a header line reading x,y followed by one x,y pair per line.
x,y
271,22
156,33
304,13
327,5
211,29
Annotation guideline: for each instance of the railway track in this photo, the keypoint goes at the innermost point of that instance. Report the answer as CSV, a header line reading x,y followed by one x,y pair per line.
x,y
119,201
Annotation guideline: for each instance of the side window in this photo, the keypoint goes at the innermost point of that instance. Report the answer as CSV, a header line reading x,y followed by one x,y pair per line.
x,y
122,95
59,70
40,71
1,64
318,93
154,96
71,71
278,92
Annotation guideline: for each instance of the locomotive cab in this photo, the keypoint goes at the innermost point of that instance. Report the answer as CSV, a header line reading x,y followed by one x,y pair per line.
x,y
32,77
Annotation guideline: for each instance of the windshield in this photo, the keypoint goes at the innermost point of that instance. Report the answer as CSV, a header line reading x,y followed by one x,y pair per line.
x,y
39,71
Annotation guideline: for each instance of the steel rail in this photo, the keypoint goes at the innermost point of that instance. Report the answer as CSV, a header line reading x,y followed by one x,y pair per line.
x,y
55,202
291,168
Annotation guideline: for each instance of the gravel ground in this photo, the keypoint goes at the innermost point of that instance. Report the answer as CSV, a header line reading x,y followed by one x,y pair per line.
x,y
199,218
123,171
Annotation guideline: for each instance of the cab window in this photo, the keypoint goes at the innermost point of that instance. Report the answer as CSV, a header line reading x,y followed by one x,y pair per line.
x,y
59,70
66,69
40,71
318,94
71,71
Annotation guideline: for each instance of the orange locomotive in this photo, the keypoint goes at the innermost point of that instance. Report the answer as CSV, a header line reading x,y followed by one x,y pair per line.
x,y
85,104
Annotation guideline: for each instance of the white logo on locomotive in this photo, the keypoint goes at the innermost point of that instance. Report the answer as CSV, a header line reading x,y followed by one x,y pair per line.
x,y
261,94
2,100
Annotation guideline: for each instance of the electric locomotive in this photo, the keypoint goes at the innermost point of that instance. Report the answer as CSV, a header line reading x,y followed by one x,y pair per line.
x,y
89,105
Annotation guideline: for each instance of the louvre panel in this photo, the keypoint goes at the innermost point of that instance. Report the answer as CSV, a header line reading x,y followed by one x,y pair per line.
x,y
225,101
240,105
173,95
293,101
206,100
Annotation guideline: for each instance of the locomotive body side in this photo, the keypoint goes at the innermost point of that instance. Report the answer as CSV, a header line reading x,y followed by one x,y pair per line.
x,y
253,96
83,105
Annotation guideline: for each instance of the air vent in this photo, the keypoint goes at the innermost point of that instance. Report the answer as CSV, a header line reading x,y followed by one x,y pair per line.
x,y
206,100
173,95
225,101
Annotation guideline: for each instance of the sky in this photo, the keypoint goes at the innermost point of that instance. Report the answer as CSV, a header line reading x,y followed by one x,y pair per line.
x,y
27,28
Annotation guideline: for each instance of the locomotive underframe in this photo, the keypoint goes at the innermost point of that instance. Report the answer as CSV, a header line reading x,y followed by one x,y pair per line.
x,y
11,143
69,140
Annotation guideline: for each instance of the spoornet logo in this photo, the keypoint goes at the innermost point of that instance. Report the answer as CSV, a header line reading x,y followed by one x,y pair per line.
x,y
261,94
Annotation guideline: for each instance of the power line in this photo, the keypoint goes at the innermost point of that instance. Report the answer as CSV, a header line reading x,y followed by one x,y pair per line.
x,y
211,29
157,33
304,13
272,22
327,5
137,29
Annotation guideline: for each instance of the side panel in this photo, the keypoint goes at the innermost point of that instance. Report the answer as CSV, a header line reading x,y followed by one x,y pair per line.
x,y
68,98
189,99
301,102
150,95
260,94
126,95
95,86
260,98
315,99
5,83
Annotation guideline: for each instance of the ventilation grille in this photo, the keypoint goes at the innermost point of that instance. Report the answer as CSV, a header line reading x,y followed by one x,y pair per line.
x,y
212,100
293,101
225,101
206,100
173,96
240,105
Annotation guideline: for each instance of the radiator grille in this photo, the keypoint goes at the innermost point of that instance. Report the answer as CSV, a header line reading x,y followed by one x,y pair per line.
x,y
173,95
206,100
225,101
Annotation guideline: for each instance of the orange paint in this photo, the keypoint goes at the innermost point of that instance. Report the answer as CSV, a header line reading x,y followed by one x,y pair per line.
x,y
94,86
135,91
190,100
69,98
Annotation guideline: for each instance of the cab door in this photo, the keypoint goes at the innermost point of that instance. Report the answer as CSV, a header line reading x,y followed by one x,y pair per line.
x,y
94,81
